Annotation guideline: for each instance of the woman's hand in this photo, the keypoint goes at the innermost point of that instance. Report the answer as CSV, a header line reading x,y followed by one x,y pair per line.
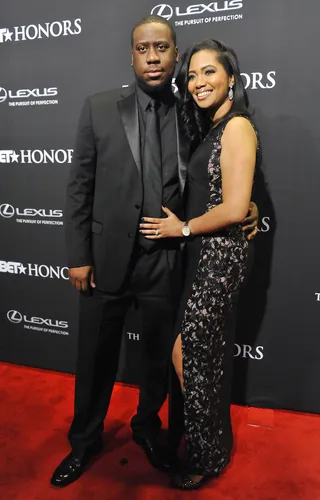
x,y
154,229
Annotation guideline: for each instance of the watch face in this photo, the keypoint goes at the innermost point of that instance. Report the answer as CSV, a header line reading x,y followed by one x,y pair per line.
x,y
186,231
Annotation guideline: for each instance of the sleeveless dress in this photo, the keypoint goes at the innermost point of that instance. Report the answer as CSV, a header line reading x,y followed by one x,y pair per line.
x,y
215,269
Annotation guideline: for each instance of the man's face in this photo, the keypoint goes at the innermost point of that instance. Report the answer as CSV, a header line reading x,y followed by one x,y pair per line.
x,y
154,55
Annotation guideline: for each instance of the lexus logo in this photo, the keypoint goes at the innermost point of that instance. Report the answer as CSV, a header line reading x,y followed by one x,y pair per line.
x,y
14,316
162,10
3,94
6,210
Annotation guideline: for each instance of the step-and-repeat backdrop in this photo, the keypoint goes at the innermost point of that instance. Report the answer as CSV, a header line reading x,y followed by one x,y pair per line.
x,y
52,55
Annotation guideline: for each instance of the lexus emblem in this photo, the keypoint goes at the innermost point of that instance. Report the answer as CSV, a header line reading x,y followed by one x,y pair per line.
x,y
163,10
7,210
3,94
14,316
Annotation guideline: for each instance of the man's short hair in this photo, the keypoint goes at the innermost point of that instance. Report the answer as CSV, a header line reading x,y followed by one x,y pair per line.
x,y
155,19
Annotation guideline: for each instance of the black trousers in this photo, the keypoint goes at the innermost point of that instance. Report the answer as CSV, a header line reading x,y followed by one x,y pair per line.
x,y
153,284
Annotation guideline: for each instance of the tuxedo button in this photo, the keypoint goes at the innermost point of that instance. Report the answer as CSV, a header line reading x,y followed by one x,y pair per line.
x,y
131,235
137,206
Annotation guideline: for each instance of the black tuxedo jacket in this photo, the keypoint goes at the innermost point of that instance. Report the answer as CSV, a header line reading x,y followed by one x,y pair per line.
x,y
104,192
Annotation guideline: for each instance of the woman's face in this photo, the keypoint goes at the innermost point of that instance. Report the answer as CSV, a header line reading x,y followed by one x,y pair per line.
x,y
208,82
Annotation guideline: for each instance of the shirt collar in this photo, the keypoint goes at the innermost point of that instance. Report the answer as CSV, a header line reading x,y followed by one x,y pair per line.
x,y
166,98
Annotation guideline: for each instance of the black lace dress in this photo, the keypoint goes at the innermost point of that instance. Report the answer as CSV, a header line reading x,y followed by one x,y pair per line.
x,y
215,268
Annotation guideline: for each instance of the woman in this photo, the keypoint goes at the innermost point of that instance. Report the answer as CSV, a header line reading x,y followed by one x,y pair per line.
x,y
219,186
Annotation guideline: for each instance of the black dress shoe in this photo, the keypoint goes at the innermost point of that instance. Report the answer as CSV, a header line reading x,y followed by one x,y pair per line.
x,y
158,456
73,465
184,482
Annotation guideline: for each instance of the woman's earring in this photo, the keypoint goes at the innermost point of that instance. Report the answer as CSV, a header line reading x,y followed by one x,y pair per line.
x,y
230,93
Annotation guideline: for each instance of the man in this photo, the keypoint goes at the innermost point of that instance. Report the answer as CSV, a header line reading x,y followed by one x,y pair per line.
x,y
130,159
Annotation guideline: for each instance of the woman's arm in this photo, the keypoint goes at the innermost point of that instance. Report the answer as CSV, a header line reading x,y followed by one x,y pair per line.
x,y
238,158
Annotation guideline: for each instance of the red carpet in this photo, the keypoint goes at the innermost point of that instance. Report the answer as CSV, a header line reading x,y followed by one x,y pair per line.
x,y
277,453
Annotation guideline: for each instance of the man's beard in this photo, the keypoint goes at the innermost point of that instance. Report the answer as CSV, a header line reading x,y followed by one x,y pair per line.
x,y
154,89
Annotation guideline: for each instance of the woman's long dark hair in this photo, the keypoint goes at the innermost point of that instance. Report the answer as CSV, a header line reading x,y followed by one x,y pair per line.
x,y
197,121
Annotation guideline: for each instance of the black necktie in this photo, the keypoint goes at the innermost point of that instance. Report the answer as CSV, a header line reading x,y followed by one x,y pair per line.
x,y
152,169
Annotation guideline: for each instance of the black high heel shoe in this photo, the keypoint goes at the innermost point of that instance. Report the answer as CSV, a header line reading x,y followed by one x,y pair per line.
x,y
184,482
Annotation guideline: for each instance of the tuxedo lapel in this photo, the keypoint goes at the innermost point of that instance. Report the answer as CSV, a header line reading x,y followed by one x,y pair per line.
x,y
128,109
183,150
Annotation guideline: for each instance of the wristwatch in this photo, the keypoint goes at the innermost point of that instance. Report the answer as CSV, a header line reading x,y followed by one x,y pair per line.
x,y
186,231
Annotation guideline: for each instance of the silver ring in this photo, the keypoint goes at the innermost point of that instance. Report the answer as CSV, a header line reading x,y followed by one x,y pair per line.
x,y
157,232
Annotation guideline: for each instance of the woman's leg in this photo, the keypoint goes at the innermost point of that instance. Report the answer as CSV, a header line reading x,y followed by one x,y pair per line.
x,y
176,415
177,359
178,365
